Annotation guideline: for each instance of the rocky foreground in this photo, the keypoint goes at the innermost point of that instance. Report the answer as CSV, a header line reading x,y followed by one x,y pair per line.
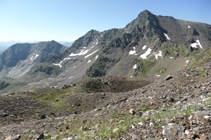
x,y
173,107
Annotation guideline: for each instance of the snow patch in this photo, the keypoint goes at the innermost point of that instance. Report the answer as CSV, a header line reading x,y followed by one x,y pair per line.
x,y
135,66
132,51
171,57
144,47
91,54
159,54
81,53
189,27
194,45
58,64
97,42
96,57
34,56
89,61
144,56
167,37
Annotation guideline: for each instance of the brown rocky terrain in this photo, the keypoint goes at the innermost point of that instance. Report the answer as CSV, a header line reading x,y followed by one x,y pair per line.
x,y
172,107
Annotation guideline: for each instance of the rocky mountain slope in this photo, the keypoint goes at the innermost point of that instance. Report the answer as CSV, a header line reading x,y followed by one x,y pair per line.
x,y
173,107
150,46
26,62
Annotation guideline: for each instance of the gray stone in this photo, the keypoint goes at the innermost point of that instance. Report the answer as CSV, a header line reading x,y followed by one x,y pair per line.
x,y
55,137
203,116
40,136
17,137
173,131
169,77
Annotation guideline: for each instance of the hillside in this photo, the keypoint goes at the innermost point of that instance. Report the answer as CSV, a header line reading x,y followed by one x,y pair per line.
x,y
174,107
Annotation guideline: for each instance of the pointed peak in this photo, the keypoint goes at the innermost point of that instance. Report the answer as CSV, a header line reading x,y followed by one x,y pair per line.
x,y
93,31
145,12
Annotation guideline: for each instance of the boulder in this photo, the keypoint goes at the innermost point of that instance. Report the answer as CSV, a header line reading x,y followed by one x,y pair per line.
x,y
203,116
169,77
173,131
40,136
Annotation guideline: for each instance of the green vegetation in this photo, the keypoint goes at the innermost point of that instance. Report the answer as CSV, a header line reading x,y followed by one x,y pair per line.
x,y
200,58
47,69
7,83
160,70
100,67
144,65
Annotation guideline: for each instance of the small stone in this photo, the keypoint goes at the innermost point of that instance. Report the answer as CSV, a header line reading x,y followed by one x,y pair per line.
x,y
132,112
203,137
169,77
97,114
140,123
151,124
121,121
4,114
203,116
190,118
17,137
115,130
187,132
140,113
41,136
8,138
147,118
132,126
97,109
43,116
55,137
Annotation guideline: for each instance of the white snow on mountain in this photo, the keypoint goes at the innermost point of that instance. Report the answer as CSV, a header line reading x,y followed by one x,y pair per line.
x,y
89,61
91,54
132,51
34,56
96,57
144,47
144,56
167,37
194,45
159,54
135,66
81,53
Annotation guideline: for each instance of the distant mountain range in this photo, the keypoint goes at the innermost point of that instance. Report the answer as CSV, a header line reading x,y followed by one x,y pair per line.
x,y
7,44
150,46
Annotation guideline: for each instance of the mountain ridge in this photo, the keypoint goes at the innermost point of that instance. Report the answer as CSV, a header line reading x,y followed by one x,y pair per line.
x,y
149,46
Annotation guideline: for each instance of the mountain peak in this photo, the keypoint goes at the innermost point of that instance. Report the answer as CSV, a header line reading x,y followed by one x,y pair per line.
x,y
144,13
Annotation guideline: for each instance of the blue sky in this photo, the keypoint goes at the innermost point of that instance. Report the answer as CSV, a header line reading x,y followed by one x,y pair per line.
x,y
67,20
